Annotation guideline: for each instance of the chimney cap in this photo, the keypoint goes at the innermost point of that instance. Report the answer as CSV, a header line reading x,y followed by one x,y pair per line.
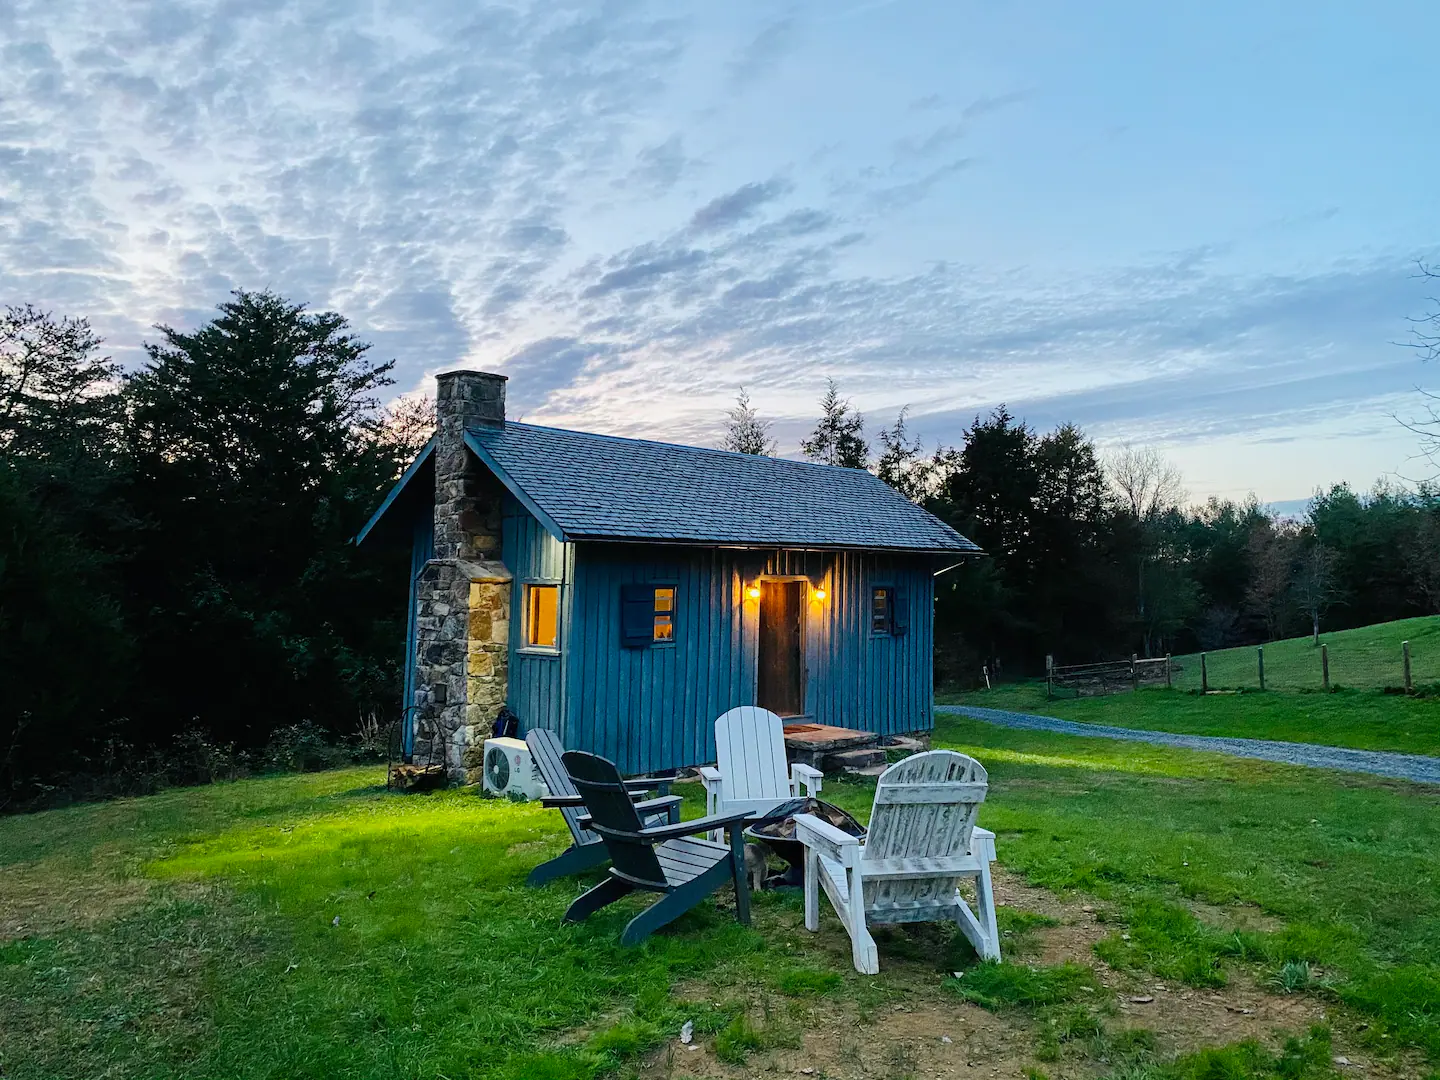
x,y
472,372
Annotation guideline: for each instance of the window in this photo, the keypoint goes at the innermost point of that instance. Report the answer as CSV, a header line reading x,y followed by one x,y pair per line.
x,y
664,614
889,611
542,616
647,615
880,611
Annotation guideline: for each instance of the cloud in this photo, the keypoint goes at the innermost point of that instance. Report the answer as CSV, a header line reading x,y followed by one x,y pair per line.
x,y
763,53
734,207
658,168
515,186
984,106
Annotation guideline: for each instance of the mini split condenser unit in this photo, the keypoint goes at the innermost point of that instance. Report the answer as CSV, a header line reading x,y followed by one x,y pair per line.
x,y
510,770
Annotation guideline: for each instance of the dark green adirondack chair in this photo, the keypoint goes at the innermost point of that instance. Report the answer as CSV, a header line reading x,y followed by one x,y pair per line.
x,y
664,859
586,850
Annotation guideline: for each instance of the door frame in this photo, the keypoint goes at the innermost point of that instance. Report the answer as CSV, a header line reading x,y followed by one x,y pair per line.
x,y
804,650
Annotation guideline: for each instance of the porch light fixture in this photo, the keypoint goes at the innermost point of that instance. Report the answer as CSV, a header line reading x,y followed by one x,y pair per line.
x,y
753,592
819,594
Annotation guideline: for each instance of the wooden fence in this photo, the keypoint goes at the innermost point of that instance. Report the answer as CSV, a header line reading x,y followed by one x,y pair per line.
x,y
1110,677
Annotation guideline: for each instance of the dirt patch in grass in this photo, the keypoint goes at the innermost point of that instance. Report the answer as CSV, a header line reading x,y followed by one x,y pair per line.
x,y
41,898
905,1025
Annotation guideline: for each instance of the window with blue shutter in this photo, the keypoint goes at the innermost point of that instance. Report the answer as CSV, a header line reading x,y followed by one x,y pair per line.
x,y
647,615
889,611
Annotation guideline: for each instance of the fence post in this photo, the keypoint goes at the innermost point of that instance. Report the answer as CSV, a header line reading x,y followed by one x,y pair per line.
x,y
986,672
1260,659
1134,671
1204,677
1049,676
1325,666
1405,648
1169,674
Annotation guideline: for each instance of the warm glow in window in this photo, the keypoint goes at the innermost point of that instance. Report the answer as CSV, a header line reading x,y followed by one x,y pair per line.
x,y
880,611
542,622
664,614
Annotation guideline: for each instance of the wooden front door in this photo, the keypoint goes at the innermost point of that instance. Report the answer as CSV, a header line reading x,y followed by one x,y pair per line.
x,y
780,685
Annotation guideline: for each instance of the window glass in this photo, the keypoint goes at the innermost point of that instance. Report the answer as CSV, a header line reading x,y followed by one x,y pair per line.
x,y
880,611
664,615
542,622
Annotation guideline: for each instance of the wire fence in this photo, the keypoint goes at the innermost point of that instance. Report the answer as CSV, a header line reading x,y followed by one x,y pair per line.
x,y
1299,666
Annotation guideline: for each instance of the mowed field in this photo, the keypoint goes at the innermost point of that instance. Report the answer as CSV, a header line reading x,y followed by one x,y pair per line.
x,y
1359,719
1366,658
318,926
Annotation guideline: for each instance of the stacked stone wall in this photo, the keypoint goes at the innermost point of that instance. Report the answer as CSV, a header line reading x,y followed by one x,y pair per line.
x,y
463,598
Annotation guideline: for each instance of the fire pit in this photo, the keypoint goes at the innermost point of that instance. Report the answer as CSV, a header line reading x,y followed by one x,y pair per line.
x,y
778,833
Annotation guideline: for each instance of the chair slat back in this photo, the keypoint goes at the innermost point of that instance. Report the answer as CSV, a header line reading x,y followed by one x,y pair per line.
x,y
925,807
600,785
545,747
750,752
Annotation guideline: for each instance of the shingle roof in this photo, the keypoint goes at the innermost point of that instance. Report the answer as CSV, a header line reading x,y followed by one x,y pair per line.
x,y
601,486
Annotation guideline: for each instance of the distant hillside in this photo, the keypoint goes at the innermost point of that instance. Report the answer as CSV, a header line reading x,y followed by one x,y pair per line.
x,y
1366,658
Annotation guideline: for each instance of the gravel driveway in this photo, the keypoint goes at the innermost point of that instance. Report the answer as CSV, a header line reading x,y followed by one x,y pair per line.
x,y
1424,770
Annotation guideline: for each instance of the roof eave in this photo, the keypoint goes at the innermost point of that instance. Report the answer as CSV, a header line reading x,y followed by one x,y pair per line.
x,y
789,545
394,493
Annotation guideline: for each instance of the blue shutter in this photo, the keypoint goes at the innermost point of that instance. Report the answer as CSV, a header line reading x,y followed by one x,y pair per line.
x,y
899,612
637,615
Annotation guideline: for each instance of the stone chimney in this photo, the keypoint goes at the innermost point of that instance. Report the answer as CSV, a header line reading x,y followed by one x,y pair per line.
x,y
463,594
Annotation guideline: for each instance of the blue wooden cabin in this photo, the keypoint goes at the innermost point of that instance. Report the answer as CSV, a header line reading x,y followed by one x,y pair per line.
x,y
655,586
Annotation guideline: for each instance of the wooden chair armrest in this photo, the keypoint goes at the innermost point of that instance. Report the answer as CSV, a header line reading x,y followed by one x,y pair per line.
x,y
822,836
650,783
556,802
710,775
807,777
665,802
982,843
687,828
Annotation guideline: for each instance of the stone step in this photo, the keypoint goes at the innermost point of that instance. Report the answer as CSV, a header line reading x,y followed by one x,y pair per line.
x,y
908,743
868,770
850,760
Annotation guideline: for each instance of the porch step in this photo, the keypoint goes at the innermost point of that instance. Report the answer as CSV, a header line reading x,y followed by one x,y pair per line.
x,y
854,760
869,770
815,744
909,743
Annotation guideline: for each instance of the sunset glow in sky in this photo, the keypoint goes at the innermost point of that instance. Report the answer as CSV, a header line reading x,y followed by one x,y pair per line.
x,y
1189,225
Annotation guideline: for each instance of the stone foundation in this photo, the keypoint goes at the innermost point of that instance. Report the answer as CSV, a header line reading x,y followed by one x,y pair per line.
x,y
462,662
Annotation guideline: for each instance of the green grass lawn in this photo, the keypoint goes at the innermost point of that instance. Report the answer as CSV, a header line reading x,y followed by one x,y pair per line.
x,y
1364,720
194,933
1367,658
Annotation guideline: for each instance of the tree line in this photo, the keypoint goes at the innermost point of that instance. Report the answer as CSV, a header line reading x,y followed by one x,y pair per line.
x,y
175,556
177,577
1093,556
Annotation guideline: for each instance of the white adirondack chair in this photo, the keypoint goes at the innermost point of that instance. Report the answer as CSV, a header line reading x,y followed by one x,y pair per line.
x,y
751,773
922,841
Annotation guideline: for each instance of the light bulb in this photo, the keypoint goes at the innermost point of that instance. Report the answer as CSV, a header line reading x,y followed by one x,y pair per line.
x,y
754,592
819,594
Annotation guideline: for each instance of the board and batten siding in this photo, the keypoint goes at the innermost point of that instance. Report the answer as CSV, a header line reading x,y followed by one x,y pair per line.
x,y
536,690
655,707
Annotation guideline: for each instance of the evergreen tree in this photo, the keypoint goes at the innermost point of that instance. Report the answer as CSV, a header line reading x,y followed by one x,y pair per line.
x,y
902,464
258,449
839,437
745,432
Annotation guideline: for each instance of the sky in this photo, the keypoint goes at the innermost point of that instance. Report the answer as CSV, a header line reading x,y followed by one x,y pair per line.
x,y
1193,226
